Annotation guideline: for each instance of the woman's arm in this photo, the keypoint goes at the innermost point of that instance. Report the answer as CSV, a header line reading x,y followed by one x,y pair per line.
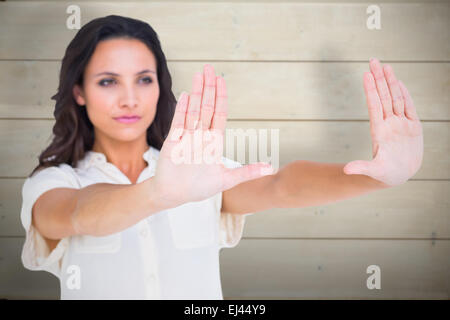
x,y
298,184
99,209
307,183
103,208
397,150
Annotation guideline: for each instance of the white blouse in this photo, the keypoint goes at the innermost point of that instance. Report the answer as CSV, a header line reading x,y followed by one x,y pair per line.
x,y
172,254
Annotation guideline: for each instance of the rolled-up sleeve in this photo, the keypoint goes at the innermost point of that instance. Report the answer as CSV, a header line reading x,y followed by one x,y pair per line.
x,y
231,224
36,254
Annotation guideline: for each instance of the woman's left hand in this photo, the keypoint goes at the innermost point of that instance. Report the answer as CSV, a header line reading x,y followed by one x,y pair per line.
x,y
397,138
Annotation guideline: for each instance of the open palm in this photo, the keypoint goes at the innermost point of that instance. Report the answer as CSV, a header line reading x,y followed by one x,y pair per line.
x,y
190,164
397,136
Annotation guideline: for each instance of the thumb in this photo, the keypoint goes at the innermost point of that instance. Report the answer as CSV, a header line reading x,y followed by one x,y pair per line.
x,y
233,177
359,167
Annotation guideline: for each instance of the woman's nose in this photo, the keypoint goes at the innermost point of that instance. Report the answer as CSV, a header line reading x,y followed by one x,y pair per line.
x,y
128,97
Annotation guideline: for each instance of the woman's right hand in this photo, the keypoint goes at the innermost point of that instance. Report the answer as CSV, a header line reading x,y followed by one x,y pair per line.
x,y
190,164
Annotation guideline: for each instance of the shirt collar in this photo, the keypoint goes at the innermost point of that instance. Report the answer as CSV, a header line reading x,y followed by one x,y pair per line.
x,y
92,158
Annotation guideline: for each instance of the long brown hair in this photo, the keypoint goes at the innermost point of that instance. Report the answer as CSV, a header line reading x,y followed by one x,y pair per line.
x,y
73,131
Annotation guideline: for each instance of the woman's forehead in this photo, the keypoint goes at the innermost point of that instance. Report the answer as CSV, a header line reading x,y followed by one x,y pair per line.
x,y
122,56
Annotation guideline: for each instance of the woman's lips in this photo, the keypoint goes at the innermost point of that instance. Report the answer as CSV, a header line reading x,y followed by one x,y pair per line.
x,y
128,119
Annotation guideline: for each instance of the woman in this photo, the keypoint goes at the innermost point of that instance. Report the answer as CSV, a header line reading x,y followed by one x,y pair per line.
x,y
117,209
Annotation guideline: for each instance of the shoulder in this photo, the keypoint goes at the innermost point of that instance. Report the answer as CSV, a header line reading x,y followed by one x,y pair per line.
x,y
62,170
62,175
43,180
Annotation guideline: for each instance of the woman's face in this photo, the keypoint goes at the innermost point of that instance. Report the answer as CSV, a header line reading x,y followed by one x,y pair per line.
x,y
120,80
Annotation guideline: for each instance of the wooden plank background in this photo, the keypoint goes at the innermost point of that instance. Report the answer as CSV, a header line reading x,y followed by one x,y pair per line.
x,y
293,66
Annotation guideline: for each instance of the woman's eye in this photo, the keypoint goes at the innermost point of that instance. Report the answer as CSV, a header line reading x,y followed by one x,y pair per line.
x,y
147,80
105,82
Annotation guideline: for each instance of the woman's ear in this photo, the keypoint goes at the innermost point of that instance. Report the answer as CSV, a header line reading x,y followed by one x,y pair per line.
x,y
78,94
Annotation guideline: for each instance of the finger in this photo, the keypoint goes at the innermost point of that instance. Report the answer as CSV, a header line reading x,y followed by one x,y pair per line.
x,y
383,90
410,109
219,120
396,93
209,97
373,102
178,122
193,110
367,168
233,177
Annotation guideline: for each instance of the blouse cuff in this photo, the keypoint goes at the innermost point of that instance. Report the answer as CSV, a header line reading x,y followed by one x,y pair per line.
x,y
231,228
36,254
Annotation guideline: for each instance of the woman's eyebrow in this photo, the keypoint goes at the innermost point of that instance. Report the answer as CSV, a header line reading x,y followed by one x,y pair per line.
x,y
116,74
